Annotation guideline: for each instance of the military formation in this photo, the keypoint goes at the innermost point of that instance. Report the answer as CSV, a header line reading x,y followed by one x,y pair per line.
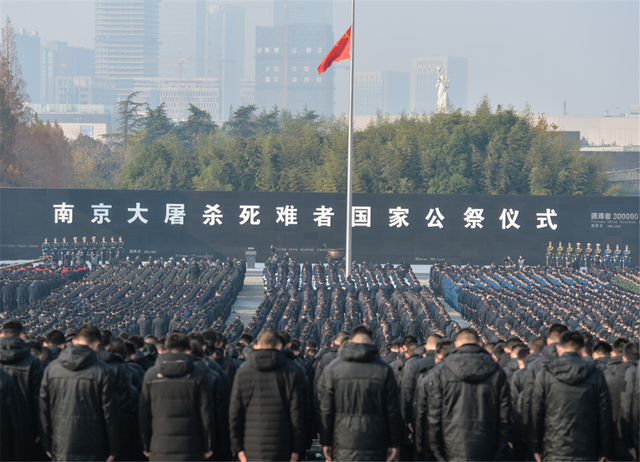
x,y
576,257
79,252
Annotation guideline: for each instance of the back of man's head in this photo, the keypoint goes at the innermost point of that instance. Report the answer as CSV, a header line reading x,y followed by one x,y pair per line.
x,y
537,344
555,331
12,328
362,334
55,337
515,349
338,339
511,342
602,350
88,335
466,336
177,342
269,340
630,352
441,347
618,345
432,342
409,340
571,341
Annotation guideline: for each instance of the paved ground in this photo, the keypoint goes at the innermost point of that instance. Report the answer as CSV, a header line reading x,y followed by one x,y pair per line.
x,y
253,293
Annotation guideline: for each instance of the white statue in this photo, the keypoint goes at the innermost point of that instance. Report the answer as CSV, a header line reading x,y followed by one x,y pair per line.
x,y
443,97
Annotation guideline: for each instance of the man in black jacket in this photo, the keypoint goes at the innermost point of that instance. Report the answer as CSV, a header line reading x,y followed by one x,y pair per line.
x,y
78,403
176,406
266,415
26,370
359,404
469,406
11,444
571,408
629,398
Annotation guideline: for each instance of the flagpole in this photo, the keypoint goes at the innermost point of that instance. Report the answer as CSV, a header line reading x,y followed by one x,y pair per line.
x,y
348,249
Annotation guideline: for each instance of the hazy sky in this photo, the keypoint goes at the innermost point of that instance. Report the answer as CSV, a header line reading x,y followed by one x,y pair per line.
x,y
586,53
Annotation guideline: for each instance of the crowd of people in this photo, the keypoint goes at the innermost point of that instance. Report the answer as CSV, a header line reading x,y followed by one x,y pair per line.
x,y
570,257
370,365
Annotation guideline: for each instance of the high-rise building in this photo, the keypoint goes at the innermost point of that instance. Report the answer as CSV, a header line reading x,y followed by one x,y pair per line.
x,y
182,32
302,12
386,91
28,49
248,92
287,58
126,41
424,76
178,94
84,91
58,59
225,53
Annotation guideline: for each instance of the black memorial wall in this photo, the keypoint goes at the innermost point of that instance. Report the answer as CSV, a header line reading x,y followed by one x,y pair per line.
x,y
416,228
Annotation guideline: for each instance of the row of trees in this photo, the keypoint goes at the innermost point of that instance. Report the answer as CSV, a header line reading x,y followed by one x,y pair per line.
x,y
487,151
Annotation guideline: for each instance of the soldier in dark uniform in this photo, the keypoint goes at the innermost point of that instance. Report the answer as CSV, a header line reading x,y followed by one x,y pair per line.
x,y
616,256
113,248
588,254
550,250
578,257
55,246
104,250
84,249
569,258
626,257
64,246
120,248
559,255
597,256
46,248
75,247
608,253
93,246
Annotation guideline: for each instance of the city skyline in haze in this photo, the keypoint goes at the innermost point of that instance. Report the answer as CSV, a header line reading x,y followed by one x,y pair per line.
x,y
538,52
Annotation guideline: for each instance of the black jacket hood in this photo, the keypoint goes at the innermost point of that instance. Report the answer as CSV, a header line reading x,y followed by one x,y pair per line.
x,y
471,363
13,350
175,364
77,357
359,352
570,368
109,357
266,360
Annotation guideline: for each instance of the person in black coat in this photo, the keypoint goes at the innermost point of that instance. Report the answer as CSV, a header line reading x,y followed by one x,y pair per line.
x,y
176,406
266,414
469,406
359,404
571,408
79,417
629,401
614,375
11,444
16,359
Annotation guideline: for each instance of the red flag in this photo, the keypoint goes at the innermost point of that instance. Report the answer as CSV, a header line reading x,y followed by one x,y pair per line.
x,y
340,51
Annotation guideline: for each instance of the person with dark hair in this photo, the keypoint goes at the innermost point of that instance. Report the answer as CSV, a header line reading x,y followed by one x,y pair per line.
x,y
602,355
79,417
614,374
571,407
176,406
25,369
469,404
359,406
55,342
266,414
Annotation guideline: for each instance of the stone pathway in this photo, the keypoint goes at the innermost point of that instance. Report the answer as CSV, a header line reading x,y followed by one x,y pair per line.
x,y
250,297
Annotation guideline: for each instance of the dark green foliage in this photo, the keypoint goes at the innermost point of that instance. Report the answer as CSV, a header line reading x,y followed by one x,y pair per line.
x,y
485,152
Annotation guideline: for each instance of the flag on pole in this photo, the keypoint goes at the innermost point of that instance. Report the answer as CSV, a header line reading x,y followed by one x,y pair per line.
x,y
340,51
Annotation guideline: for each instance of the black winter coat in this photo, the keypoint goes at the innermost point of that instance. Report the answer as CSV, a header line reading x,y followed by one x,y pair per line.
x,y
630,404
11,435
79,407
26,370
359,405
411,374
266,414
469,407
571,411
176,410
614,376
